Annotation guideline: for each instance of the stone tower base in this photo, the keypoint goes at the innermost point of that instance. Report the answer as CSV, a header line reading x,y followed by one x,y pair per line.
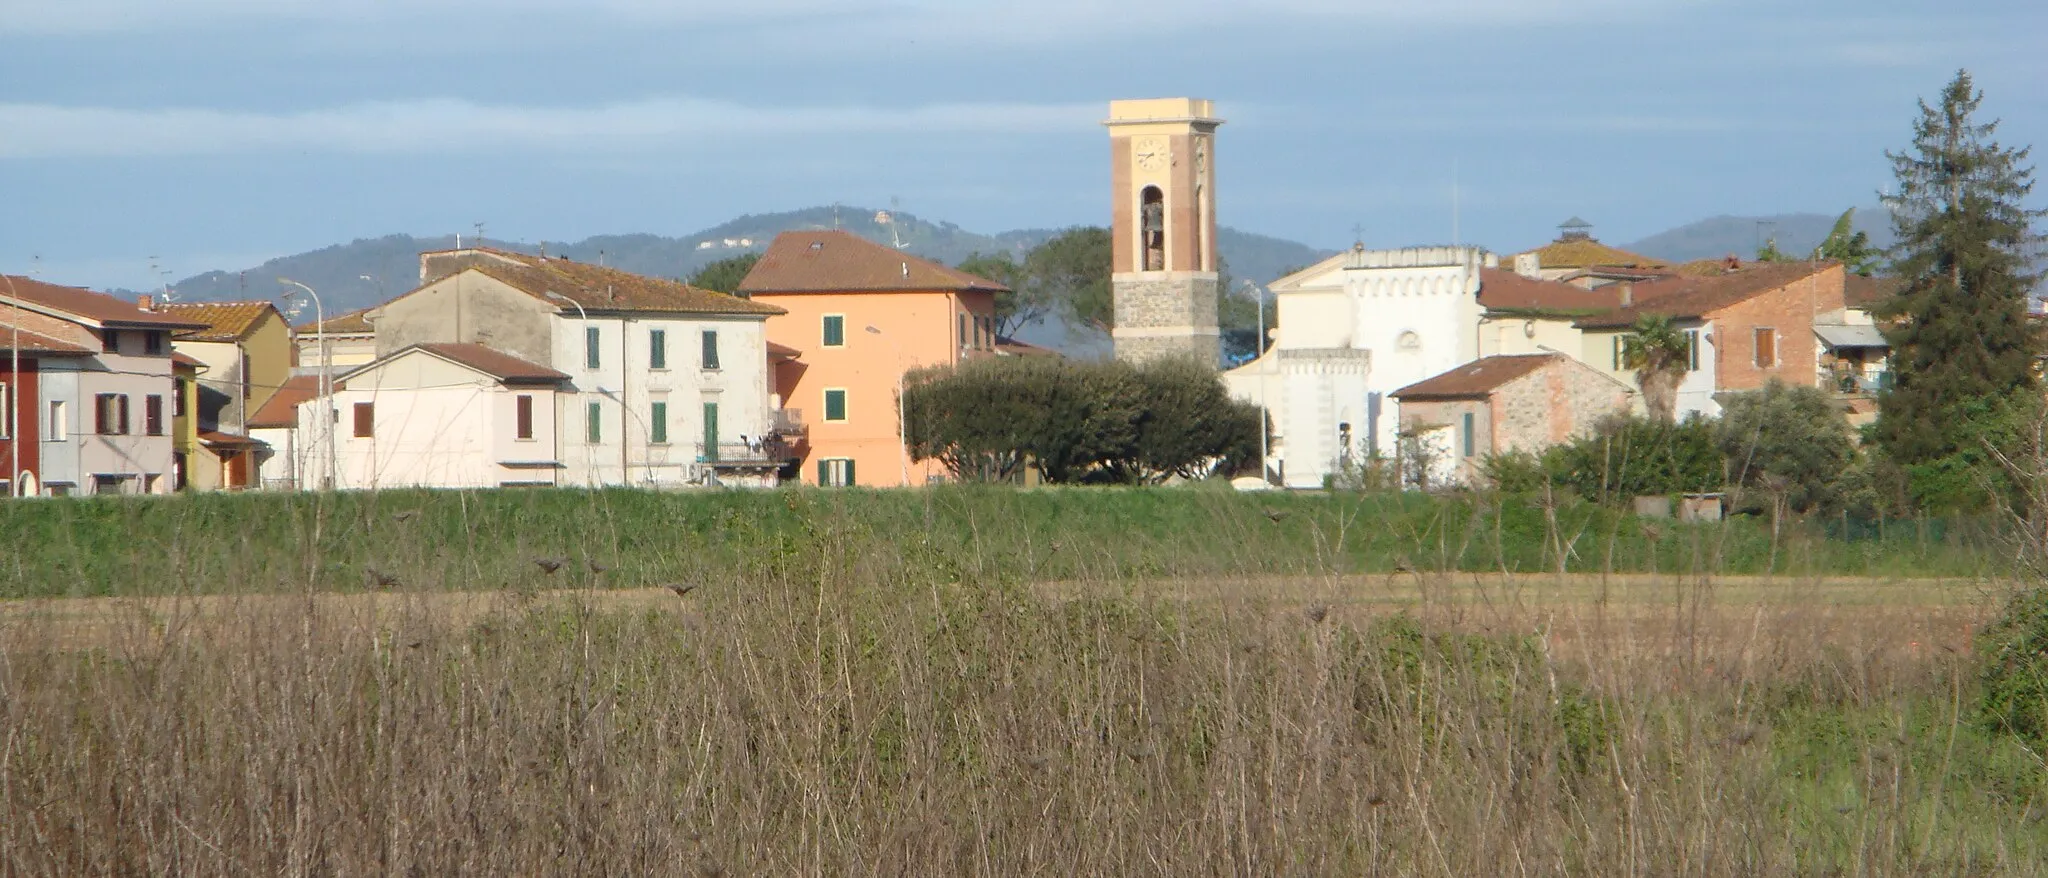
x,y
1166,313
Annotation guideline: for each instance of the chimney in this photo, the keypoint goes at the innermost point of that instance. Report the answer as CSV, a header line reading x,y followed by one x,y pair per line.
x,y
1628,294
1732,263
906,271
146,302
1529,265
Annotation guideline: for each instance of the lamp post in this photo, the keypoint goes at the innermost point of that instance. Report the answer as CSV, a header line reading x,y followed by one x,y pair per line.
x,y
326,382
625,478
13,398
1265,430
902,415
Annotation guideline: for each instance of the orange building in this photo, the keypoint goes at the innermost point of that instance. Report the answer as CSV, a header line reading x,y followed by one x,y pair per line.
x,y
860,315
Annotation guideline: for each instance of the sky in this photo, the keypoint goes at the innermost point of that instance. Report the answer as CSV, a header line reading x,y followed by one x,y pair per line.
x,y
145,140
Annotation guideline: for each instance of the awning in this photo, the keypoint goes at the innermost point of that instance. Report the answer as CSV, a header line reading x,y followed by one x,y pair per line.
x,y
1850,336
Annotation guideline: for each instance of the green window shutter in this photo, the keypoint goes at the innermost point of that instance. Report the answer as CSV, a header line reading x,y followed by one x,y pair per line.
x,y
1469,439
590,358
835,330
824,471
711,349
657,349
657,427
593,424
849,472
711,431
835,405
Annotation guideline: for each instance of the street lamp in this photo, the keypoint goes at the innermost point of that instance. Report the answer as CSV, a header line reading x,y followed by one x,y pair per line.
x,y
625,476
13,397
1265,429
902,416
326,382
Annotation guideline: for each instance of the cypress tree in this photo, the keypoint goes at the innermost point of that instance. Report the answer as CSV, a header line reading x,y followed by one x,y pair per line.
x,y
1962,351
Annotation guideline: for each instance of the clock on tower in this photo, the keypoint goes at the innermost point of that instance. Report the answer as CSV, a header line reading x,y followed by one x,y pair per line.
x,y
1163,221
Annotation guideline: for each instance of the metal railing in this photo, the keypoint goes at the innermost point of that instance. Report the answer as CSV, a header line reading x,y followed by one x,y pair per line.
x,y
768,450
787,420
1860,382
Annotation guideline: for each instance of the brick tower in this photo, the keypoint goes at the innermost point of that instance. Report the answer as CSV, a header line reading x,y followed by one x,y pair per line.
x,y
1163,222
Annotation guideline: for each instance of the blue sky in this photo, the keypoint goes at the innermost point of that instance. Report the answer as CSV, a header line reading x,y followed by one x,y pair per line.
x,y
218,133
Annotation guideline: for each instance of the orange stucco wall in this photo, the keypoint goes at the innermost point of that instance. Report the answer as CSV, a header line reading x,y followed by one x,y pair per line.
x,y
918,328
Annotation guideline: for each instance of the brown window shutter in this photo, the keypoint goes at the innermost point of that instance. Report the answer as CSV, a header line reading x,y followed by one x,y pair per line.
x,y
124,414
366,419
102,420
525,417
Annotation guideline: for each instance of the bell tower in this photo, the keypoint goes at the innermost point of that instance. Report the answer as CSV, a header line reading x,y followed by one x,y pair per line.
x,y
1163,227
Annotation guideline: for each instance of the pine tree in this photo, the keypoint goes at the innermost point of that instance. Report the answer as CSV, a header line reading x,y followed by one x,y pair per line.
x,y
1962,352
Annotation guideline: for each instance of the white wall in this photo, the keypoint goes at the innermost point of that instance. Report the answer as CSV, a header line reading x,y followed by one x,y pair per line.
x,y
137,458
435,424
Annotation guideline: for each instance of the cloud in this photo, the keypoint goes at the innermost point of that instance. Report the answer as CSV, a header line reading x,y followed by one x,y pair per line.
x,y
442,126
997,21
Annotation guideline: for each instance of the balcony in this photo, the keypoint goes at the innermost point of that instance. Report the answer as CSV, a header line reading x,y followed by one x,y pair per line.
x,y
769,451
1868,383
787,422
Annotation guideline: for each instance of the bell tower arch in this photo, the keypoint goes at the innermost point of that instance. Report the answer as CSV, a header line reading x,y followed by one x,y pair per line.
x,y
1163,228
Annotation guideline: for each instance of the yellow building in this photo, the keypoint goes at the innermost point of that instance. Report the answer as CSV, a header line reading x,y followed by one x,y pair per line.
x,y
246,349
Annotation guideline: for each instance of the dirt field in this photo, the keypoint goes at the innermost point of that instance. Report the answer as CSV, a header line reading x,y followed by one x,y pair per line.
x,y
1650,617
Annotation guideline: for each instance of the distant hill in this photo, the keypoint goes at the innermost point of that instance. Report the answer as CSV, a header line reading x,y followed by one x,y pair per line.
x,y
367,271
1797,234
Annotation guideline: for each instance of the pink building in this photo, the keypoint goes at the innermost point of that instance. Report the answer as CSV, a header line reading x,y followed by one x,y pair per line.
x,y
858,316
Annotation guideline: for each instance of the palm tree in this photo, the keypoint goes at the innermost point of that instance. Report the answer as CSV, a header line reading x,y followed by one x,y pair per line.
x,y
1661,354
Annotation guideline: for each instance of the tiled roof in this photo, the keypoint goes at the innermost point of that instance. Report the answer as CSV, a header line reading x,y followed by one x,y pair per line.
x,y
826,261
782,352
1014,348
186,360
492,362
33,342
599,288
1477,378
43,334
92,307
225,321
1865,292
232,440
352,323
1710,267
1503,290
1694,297
282,409
1588,252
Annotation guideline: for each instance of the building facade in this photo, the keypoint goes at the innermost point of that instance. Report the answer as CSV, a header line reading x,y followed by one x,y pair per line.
x,y
857,315
1163,225
1498,405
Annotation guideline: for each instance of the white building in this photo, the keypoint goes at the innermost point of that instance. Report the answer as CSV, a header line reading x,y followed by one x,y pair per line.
x,y
1359,325
665,384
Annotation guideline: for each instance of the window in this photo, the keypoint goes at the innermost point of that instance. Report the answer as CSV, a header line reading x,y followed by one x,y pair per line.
x,y
110,340
366,420
590,357
657,424
522,416
711,349
106,484
711,431
657,349
1620,351
149,482
110,414
153,343
835,330
963,330
179,388
1692,350
153,415
1766,347
1469,440
593,423
56,431
835,472
835,405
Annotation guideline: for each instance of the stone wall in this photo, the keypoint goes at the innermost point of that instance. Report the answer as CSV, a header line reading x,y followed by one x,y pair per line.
x,y
1161,313
1553,405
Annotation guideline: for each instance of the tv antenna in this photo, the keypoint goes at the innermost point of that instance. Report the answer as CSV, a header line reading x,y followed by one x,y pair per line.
x,y
888,218
479,226
163,277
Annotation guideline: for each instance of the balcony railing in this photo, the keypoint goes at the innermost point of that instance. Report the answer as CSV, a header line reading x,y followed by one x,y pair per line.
x,y
768,450
787,422
1860,382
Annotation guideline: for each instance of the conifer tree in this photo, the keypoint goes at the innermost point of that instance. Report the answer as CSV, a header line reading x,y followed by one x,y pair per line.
x,y
1962,352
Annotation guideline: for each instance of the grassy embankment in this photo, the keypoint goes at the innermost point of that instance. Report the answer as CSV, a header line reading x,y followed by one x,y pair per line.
x,y
488,540
867,683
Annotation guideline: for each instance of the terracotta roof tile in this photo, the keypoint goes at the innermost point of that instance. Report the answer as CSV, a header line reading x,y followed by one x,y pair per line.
x,y
1696,297
282,409
1478,378
217,437
225,321
352,323
1586,252
43,334
1866,292
1503,290
826,261
782,352
186,360
493,362
93,307
599,288
1014,348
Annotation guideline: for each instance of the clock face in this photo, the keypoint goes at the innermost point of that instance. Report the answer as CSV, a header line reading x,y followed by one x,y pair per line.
x,y
1151,152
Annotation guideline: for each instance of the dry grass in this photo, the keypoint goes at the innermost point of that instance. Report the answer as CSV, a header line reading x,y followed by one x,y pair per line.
x,y
857,706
